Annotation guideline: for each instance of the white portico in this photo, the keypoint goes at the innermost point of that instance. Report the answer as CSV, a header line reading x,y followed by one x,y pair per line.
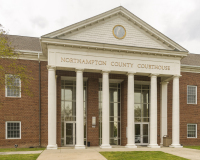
x,y
91,46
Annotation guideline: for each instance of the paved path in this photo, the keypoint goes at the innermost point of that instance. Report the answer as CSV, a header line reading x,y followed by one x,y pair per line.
x,y
92,153
20,152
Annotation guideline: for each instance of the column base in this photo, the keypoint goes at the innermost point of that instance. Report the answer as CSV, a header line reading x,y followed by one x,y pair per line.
x,y
52,147
176,146
79,146
153,146
105,146
130,146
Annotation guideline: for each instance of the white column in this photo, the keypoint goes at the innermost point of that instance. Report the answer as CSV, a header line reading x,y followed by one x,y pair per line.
x,y
153,112
163,111
130,113
105,111
51,108
175,114
79,110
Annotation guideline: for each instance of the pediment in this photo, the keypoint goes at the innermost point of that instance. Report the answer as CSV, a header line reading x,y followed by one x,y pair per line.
x,y
99,29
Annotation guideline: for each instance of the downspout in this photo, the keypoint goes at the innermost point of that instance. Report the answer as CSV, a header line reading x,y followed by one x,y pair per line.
x,y
39,100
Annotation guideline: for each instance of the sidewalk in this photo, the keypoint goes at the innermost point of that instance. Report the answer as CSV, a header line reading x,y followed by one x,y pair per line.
x,y
92,153
21,152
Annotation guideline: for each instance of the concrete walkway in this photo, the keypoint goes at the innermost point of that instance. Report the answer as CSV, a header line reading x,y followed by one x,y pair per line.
x,y
21,152
92,153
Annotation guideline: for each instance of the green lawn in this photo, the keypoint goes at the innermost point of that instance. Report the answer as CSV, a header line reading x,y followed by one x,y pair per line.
x,y
19,157
20,149
141,155
192,147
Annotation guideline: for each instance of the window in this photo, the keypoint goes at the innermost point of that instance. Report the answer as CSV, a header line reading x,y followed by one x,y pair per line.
x,y
114,113
68,108
191,94
142,103
192,131
13,130
13,86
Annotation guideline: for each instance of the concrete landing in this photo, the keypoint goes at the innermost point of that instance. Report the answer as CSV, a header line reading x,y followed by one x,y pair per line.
x,y
92,153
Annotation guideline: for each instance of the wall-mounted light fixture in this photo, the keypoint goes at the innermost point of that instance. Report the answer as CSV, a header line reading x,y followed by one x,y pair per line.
x,y
93,122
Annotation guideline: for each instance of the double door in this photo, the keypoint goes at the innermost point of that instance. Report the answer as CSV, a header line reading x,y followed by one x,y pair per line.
x,y
141,133
70,133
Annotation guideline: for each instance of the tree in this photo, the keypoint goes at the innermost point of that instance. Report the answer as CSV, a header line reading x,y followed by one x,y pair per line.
x,y
10,66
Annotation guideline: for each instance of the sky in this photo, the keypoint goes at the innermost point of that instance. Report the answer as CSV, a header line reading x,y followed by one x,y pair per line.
x,y
177,19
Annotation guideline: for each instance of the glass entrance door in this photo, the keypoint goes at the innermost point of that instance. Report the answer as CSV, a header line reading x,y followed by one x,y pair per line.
x,y
70,132
141,133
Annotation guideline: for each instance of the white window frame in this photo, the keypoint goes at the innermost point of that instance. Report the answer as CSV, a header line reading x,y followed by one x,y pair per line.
x,y
6,95
187,129
187,94
19,129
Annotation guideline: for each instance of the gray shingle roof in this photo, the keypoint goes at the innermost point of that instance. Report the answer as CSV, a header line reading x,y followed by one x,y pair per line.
x,y
191,59
33,44
25,43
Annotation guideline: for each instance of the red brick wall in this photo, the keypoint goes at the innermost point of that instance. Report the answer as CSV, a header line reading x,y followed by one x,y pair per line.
x,y
189,113
25,109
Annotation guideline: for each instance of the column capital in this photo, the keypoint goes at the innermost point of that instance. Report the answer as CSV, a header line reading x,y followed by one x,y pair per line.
x,y
177,76
129,73
51,67
153,74
79,70
105,71
164,82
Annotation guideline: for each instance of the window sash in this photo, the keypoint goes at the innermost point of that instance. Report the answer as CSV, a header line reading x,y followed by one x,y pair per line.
x,y
13,90
191,94
192,131
13,130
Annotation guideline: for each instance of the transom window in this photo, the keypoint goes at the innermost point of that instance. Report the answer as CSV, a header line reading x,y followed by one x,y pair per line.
x,y
13,86
191,94
13,130
192,131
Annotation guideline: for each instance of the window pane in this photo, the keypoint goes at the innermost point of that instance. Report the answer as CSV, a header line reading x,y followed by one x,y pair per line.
x,y
68,92
192,99
113,129
113,109
191,130
137,96
68,109
13,86
137,110
13,130
145,96
113,95
191,94
145,110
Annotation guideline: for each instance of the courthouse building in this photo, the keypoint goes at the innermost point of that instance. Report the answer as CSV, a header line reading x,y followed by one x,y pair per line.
x,y
108,80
